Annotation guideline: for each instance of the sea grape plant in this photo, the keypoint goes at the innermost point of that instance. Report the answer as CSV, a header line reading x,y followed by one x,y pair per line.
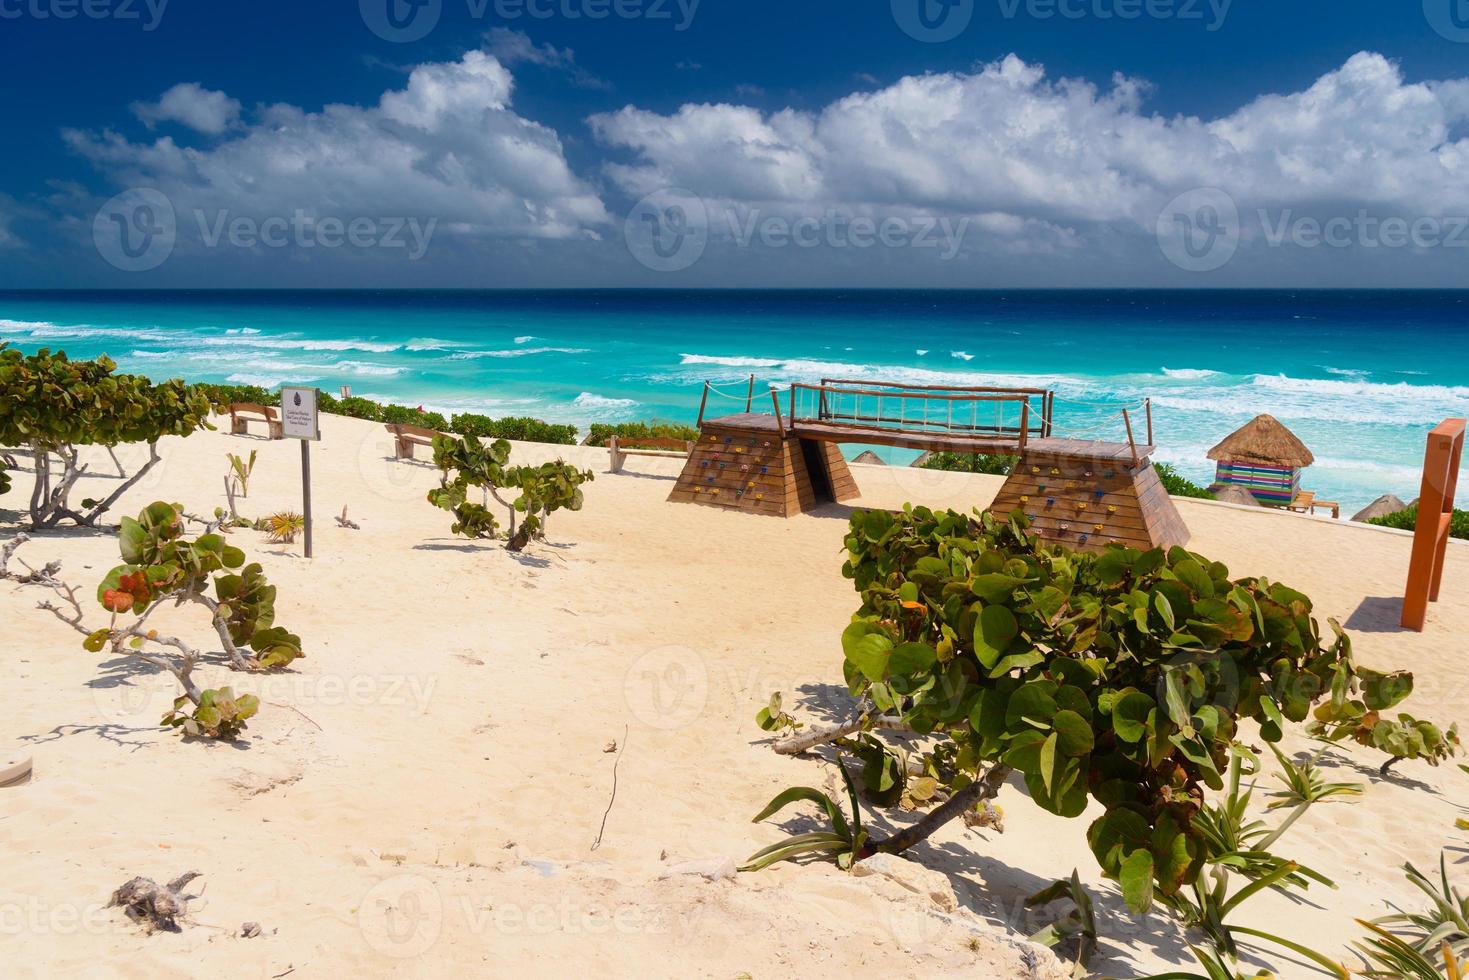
x,y
161,567
466,464
53,405
1119,677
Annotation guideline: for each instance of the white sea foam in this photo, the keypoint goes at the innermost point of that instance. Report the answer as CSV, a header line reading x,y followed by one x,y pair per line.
x,y
281,343
474,355
1190,374
961,355
270,380
363,367
739,362
243,331
921,352
589,400
527,338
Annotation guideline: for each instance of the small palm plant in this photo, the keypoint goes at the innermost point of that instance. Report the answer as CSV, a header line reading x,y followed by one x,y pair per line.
x,y
284,526
844,841
240,470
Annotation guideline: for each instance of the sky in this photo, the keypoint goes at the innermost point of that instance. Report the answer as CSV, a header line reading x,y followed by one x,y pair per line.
x,y
689,143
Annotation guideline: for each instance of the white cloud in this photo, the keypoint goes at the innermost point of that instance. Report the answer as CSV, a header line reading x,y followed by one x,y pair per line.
x,y
516,47
1061,157
192,105
447,146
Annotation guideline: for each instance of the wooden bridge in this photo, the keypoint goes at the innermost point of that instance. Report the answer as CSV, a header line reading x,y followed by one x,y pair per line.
x,y
1083,492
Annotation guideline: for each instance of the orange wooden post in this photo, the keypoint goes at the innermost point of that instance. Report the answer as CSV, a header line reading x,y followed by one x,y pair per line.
x,y
1435,512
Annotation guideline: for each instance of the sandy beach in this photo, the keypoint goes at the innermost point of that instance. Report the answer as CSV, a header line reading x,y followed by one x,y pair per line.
x,y
423,795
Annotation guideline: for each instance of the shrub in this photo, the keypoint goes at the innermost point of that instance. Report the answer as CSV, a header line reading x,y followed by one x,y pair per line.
x,y
220,396
54,405
517,428
4,480
1407,520
970,463
357,408
1118,677
163,568
1178,485
466,463
403,415
600,432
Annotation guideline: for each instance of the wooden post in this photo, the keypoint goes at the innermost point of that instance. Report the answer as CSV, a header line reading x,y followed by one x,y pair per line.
x,y
750,398
616,456
1127,421
703,402
306,489
1024,423
1435,513
1148,405
775,400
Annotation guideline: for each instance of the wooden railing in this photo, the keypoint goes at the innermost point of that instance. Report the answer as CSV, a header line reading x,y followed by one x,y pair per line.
x,y
919,409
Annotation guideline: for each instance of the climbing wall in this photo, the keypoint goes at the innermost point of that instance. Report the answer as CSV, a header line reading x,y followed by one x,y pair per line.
x,y
1087,504
752,469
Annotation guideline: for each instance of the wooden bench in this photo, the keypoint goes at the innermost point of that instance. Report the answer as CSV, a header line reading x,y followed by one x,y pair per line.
x,y
667,448
243,413
406,437
1305,502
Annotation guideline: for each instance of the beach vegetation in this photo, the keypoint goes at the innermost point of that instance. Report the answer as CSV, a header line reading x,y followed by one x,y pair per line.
x,y
4,479
629,433
843,842
1077,925
54,406
240,470
516,428
283,526
970,463
1179,485
1119,678
162,568
466,464
1407,520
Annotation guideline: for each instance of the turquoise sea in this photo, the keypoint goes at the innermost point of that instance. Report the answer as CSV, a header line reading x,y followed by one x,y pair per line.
x,y
1360,376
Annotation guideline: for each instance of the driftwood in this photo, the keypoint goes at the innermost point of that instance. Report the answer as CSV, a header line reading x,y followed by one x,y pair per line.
x,y
157,908
342,521
796,744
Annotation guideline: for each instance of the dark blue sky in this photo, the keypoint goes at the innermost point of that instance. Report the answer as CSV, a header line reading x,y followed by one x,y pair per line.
x,y
85,74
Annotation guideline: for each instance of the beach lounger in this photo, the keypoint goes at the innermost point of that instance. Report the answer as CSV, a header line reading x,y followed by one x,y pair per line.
x,y
243,413
670,448
1305,502
406,437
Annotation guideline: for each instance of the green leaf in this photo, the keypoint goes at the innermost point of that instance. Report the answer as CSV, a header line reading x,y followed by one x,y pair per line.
x,y
912,658
1075,733
993,632
1136,877
1130,716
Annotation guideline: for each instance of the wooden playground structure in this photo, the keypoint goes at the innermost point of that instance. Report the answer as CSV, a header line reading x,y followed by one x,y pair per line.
x,y
1085,493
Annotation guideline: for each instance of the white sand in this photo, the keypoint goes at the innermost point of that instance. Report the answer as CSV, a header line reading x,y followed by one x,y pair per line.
x,y
421,795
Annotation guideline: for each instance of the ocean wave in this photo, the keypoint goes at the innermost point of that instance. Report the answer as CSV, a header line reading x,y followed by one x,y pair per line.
x,y
363,367
42,330
474,355
243,331
527,338
426,343
589,400
1190,374
921,352
1345,372
277,343
270,380
961,355
741,362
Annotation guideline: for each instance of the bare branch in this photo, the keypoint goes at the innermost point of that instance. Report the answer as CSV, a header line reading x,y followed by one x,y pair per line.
x,y
796,744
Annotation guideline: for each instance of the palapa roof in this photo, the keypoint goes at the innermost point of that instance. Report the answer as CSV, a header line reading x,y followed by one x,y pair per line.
x,y
1263,440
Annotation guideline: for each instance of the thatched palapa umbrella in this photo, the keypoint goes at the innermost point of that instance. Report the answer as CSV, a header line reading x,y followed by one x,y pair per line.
x,y
1265,458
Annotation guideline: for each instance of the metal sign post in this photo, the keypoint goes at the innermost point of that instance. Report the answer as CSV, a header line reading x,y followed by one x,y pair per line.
x,y
299,420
